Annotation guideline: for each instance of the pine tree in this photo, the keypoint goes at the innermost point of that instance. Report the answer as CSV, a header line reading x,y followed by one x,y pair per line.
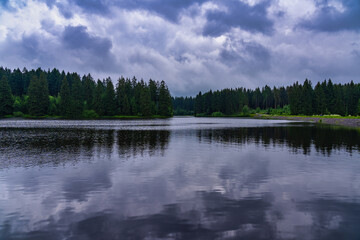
x,y
307,96
339,107
99,98
6,100
154,94
66,103
76,97
330,97
38,102
122,98
145,102
198,104
319,99
109,99
295,94
165,103
16,83
88,91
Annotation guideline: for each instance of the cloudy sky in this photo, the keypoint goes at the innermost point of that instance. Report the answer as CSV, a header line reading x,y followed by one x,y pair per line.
x,y
192,45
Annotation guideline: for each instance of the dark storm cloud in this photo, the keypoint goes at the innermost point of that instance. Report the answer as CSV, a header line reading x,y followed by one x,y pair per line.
x,y
28,48
94,6
4,3
77,37
169,10
92,50
250,18
328,19
65,11
239,14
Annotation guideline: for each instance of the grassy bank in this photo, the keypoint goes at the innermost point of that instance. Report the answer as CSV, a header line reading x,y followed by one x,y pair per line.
x,y
306,116
348,121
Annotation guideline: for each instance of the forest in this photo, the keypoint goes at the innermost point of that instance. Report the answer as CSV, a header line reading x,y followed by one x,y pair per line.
x,y
297,99
36,93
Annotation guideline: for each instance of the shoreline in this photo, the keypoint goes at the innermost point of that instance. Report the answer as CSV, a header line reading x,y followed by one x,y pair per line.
x,y
346,122
335,121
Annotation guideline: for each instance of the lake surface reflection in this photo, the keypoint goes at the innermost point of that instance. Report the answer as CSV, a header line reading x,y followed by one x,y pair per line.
x,y
180,178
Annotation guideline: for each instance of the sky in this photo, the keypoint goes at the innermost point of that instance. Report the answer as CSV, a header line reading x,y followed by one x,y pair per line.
x,y
192,45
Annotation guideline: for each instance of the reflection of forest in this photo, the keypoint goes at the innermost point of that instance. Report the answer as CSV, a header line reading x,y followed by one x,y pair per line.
x,y
41,145
137,142
325,139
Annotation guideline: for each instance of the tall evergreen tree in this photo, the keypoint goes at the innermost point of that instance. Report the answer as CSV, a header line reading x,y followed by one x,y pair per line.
x,y
6,100
88,91
165,104
17,83
99,98
198,104
145,102
319,99
76,97
109,99
66,103
339,107
154,94
295,98
307,98
122,98
38,102
330,96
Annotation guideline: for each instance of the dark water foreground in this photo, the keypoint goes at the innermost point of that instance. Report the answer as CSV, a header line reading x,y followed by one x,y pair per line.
x,y
182,178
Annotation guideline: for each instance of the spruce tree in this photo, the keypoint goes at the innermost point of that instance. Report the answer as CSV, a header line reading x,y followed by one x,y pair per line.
x,y
99,98
122,98
199,104
330,97
109,99
6,100
295,98
319,99
339,107
88,91
307,96
66,103
165,103
145,102
38,102
76,96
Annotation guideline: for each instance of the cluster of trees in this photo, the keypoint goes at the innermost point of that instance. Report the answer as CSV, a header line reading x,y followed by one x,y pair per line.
x,y
231,101
183,106
325,98
38,93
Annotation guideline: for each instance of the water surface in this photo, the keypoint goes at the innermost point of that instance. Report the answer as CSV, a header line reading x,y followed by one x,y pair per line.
x,y
179,178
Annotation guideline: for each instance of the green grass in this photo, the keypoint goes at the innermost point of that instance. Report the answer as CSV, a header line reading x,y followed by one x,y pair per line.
x,y
314,116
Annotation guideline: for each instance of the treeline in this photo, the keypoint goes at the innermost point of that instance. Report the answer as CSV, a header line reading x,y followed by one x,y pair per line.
x,y
54,93
324,98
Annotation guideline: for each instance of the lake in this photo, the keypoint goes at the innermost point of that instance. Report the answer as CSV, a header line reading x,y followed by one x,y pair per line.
x,y
179,178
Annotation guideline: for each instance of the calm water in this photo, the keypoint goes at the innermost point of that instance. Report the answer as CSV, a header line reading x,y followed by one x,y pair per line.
x,y
183,178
